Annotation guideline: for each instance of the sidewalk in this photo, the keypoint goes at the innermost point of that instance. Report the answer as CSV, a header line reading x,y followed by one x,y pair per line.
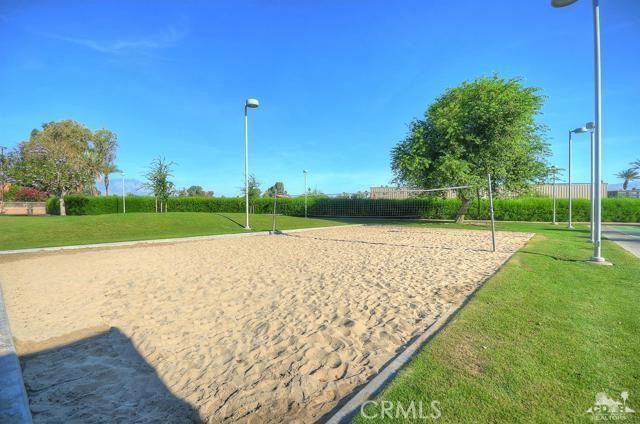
x,y
629,242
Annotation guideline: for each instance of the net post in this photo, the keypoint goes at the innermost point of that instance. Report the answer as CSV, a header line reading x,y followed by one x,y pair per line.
x,y
493,223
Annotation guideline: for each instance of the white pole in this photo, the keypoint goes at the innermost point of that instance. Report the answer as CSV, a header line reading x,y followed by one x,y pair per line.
x,y
570,226
124,205
593,188
305,193
597,177
246,168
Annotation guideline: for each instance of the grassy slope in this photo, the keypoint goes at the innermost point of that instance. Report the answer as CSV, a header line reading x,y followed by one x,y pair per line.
x,y
20,232
538,341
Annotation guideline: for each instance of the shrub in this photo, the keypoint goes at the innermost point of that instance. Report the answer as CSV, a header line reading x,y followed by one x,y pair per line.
x,y
506,209
28,194
53,206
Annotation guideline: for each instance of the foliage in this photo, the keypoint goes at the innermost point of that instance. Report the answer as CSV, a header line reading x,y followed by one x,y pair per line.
x,y
254,190
56,159
195,191
11,192
278,187
628,175
158,179
480,127
105,144
28,194
535,209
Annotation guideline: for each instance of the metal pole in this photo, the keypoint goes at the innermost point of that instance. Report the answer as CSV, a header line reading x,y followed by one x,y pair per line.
x,y
570,226
2,148
246,168
553,191
305,193
493,223
124,204
598,138
593,189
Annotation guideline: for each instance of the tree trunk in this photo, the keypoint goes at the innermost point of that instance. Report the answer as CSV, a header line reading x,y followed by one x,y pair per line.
x,y
63,210
625,184
106,185
466,203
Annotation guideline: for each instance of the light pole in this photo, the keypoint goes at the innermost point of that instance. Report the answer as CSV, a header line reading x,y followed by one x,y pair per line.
x,y
249,103
305,192
597,151
576,131
590,126
554,175
2,148
124,204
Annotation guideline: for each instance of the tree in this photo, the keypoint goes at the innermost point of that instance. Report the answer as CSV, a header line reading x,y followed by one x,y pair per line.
x,y
195,191
635,164
628,175
56,159
105,144
254,189
158,179
278,187
486,126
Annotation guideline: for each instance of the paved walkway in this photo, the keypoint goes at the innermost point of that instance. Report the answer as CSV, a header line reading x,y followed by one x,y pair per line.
x,y
626,236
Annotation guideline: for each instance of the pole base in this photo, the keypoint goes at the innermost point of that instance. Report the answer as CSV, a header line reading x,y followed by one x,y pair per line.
x,y
247,228
571,227
598,260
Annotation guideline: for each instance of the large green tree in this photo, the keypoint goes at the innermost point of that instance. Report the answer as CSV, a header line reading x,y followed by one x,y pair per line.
x,y
485,126
56,159
278,187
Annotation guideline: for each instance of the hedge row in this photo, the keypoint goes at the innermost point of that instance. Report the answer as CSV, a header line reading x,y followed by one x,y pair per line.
x,y
518,209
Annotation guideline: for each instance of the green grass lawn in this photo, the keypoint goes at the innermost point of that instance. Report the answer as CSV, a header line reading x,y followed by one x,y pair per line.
x,y
537,342
21,232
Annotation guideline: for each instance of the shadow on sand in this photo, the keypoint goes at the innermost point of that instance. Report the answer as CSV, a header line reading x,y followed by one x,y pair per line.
x,y
101,378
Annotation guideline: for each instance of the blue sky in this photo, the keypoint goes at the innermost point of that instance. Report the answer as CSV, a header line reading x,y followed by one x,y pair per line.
x,y
338,80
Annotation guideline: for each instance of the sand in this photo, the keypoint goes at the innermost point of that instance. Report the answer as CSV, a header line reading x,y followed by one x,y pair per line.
x,y
257,329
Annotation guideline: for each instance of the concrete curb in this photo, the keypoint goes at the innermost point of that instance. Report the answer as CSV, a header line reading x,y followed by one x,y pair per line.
x,y
14,404
164,241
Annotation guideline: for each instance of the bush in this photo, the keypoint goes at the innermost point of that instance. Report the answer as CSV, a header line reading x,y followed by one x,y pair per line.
x,y
28,194
53,206
536,209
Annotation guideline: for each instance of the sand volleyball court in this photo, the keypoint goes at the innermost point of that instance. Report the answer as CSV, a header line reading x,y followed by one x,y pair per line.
x,y
257,329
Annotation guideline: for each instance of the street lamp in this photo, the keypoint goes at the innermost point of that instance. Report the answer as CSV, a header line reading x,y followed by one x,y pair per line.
x,y
249,103
597,151
591,126
124,204
305,191
576,131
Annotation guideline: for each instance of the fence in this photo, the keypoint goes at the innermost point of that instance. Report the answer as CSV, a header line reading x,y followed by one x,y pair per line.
x,y
578,190
23,208
633,194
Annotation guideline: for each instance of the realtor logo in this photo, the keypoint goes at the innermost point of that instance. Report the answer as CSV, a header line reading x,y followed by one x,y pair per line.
x,y
607,409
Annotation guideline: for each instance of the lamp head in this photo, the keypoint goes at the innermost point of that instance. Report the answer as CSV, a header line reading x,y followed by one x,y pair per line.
x,y
252,103
590,126
305,171
580,130
562,3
